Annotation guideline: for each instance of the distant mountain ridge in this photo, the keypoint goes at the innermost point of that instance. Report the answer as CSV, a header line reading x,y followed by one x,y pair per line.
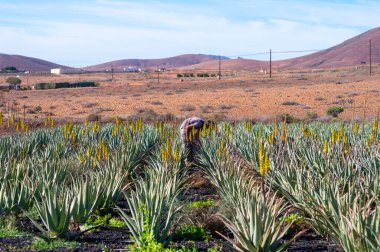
x,y
354,51
171,62
23,63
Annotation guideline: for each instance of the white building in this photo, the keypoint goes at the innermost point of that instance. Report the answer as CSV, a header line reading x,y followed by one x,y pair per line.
x,y
57,71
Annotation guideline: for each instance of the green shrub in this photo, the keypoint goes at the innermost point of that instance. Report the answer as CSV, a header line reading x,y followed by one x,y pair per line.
x,y
43,85
288,118
201,203
115,222
13,80
334,111
54,244
96,220
37,109
9,69
62,85
191,232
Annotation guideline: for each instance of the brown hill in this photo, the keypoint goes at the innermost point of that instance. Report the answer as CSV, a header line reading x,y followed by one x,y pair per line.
x,y
351,52
354,51
172,62
229,64
24,63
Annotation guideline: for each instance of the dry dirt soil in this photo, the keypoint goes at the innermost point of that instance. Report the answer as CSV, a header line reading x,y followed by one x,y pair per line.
x,y
238,95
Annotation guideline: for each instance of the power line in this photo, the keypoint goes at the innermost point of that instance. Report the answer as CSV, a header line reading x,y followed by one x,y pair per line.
x,y
273,52
299,51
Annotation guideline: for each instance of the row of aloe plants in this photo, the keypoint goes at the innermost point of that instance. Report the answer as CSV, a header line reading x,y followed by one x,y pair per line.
x,y
68,172
257,216
329,172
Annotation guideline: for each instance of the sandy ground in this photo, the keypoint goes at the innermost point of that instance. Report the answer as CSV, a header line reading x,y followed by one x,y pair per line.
x,y
238,95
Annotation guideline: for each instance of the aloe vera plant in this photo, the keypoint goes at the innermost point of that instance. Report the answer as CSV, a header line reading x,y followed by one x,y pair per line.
x,y
87,195
55,211
153,205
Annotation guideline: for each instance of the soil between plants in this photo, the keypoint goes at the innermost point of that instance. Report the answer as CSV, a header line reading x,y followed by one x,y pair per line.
x,y
117,239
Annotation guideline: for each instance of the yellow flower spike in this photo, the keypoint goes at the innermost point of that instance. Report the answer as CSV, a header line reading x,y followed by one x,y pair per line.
x,y
355,128
1,118
176,153
52,123
326,147
80,158
375,124
275,130
334,136
89,153
8,123
105,153
346,148
17,127
27,129
262,167
267,163
269,138
283,133
307,133
372,136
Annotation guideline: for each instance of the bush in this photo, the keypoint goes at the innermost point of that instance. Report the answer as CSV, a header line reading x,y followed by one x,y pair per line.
x,y
290,103
311,115
191,232
13,80
203,75
334,111
9,69
94,117
288,118
53,85
37,109
187,107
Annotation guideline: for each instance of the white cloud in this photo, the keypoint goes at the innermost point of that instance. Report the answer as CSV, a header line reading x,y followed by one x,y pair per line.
x,y
81,34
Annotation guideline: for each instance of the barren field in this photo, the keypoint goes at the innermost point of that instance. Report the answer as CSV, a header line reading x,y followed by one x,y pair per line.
x,y
238,95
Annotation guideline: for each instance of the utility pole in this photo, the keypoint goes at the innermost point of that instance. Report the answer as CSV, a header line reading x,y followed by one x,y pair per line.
x,y
112,72
220,67
370,57
270,63
158,74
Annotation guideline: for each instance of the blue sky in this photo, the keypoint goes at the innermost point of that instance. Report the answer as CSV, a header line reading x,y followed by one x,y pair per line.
x,y
80,33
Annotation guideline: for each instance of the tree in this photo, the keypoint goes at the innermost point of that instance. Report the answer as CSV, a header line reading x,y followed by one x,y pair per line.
x,y
9,69
13,80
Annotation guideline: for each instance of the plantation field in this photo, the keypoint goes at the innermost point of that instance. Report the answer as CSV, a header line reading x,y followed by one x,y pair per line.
x,y
253,187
